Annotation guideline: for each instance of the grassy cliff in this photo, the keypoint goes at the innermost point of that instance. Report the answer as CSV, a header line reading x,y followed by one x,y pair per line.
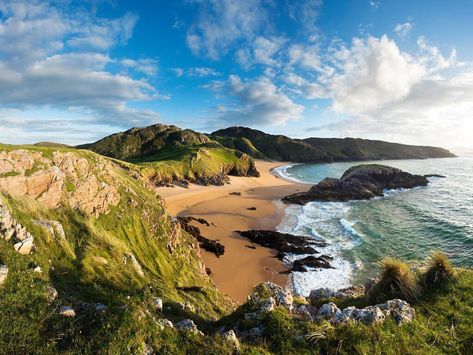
x,y
318,150
169,154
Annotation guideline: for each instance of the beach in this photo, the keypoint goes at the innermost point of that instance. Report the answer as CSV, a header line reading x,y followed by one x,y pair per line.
x,y
244,264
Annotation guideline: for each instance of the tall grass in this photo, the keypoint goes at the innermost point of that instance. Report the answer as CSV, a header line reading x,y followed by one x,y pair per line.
x,y
396,280
439,270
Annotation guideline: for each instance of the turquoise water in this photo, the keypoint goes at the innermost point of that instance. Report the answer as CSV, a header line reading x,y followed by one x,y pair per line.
x,y
408,224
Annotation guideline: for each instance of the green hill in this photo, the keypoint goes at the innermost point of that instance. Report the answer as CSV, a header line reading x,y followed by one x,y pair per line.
x,y
169,154
318,150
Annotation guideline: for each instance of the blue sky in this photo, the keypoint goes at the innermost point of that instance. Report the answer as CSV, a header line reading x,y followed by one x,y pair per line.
x,y
75,71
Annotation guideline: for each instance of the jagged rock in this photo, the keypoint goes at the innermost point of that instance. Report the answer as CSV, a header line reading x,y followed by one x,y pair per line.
x,y
306,311
165,323
268,305
51,293
314,262
327,312
26,246
360,182
3,273
157,304
231,338
282,297
188,325
54,228
323,293
284,243
136,265
67,311
397,309
207,244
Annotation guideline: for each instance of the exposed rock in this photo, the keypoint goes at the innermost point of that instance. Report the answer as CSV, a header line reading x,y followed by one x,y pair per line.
x,y
323,293
268,305
51,293
358,183
268,290
165,323
157,304
435,176
189,326
26,246
315,262
235,193
67,311
306,311
251,208
231,338
284,243
3,273
54,228
209,245
136,265
397,309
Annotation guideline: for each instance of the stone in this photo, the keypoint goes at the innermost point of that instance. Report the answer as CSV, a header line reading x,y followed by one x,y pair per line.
x,y
320,294
136,265
268,305
51,293
3,274
231,338
157,304
188,325
164,323
282,296
67,312
25,247
306,311
328,311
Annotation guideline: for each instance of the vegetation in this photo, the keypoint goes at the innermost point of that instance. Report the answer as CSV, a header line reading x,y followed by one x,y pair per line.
x,y
315,150
439,270
168,153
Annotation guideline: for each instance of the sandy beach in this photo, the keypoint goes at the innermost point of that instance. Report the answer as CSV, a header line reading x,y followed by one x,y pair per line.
x,y
241,267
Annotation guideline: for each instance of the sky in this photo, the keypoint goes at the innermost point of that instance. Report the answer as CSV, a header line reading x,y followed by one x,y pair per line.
x,y
76,71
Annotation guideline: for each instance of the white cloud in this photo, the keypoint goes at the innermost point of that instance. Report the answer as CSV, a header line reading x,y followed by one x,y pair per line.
x,y
307,57
305,88
50,58
403,29
305,12
257,102
263,50
199,72
221,24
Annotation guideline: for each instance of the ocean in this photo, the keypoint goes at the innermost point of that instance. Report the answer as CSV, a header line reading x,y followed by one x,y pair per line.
x,y
407,224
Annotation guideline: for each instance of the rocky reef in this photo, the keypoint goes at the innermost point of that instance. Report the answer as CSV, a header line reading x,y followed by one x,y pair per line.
x,y
360,182
209,245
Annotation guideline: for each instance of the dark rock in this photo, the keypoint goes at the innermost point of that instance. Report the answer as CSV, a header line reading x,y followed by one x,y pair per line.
x,y
209,245
235,193
282,242
316,262
251,208
435,176
250,246
360,182
208,271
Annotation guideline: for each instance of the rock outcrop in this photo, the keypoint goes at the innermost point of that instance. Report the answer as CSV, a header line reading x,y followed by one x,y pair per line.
x,y
360,182
209,245
3,274
10,229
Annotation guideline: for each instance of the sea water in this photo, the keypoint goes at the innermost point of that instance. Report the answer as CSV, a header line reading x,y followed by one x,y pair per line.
x,y
407,224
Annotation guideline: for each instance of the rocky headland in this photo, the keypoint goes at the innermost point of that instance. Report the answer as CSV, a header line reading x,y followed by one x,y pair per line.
x,y
361,182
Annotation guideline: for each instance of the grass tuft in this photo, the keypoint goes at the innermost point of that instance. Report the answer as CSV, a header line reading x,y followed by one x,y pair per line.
x,y
439,270
396,280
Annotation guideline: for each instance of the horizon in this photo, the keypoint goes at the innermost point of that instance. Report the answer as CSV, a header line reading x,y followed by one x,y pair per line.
x,y
74,72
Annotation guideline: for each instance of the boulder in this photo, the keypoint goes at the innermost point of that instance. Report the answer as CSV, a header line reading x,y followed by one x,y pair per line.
x,y
268,305
320,294
164,323
51,293
3,273
25,246
157,304
282,296
329,312
189,326
231,338
67,312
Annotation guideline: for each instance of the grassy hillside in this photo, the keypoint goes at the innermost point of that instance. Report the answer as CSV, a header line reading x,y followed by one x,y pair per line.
x,y
282,148
119,249
168,154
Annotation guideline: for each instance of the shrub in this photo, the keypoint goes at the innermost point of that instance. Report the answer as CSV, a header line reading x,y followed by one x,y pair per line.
x,y
439,270
396,280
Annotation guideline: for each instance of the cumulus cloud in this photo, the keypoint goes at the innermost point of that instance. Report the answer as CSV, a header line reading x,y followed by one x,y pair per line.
x,y
50,58
222,24
403,29
257,102
262,50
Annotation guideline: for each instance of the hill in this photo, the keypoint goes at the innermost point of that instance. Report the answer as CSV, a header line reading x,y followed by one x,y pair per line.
x,y
319,150
169,154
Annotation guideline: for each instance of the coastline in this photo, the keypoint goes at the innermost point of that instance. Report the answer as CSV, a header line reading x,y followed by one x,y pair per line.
x,y
244,264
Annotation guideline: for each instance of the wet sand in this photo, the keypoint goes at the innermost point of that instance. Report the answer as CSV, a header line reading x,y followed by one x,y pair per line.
x,y
240,268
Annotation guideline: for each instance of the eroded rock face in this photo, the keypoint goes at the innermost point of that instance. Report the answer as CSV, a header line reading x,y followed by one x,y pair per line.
x,y
10,229
359,183
231,338
89,187
268,295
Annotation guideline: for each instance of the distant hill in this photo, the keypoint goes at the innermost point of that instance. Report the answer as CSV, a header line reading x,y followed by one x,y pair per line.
x,y
318,150
170,154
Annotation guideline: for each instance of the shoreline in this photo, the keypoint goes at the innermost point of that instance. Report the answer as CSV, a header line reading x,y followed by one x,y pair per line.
x,y
244,264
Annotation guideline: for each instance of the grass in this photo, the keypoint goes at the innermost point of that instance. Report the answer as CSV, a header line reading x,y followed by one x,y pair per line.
x,y
397,280
439,270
